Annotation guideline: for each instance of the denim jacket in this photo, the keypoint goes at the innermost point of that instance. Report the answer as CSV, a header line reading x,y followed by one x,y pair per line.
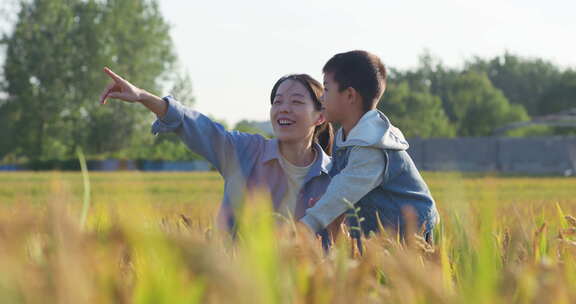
x,y
382,181
247,162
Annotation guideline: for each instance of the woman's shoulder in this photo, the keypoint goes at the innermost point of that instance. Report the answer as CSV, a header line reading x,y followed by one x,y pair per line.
x,y
252,147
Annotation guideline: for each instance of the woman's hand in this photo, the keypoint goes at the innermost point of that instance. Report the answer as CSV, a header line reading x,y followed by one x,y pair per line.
x,y
120,89
124,90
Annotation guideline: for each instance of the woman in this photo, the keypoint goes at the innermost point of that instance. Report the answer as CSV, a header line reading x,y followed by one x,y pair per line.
x,y
292,167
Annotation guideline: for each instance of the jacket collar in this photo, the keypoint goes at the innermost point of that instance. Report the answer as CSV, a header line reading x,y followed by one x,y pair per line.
x,y
321,165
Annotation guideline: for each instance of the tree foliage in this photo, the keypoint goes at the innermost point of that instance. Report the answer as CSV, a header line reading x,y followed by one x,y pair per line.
x,y
53,73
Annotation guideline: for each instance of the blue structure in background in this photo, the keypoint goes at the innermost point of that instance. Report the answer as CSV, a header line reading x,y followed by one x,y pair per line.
x,y
11,168
196,165
555,155
111,165
124,165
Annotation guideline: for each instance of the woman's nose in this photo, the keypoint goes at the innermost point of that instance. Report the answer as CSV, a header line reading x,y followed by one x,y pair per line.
x,y
285,108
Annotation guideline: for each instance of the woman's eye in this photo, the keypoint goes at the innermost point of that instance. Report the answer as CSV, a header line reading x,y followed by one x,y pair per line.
x,y
298,101
276,101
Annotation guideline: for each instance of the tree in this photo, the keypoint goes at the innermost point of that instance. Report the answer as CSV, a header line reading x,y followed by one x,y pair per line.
x,y
522,80
253,127
30,81
477,108
560,96
416,113
182,88
53,71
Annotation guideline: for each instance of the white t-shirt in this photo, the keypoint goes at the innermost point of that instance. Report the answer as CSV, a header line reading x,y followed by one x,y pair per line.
x,y
295,176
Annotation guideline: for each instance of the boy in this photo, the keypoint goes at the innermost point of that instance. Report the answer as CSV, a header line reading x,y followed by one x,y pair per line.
x,y
370,167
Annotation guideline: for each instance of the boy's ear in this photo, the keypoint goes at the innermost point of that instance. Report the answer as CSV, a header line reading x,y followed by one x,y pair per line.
x,y
352,96
350,92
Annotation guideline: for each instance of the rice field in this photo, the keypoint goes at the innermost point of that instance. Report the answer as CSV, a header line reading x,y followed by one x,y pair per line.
x,y
152,238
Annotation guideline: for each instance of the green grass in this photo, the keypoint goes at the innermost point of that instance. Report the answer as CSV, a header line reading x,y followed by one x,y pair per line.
x,y
152,238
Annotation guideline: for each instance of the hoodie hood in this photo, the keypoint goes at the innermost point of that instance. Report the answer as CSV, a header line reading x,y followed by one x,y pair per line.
x,y
374,130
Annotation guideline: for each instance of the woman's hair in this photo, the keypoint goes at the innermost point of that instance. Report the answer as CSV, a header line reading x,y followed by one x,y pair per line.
x,y
323,134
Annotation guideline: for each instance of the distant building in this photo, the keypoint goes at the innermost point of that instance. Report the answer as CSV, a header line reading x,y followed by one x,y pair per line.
x,y
554,155
566,118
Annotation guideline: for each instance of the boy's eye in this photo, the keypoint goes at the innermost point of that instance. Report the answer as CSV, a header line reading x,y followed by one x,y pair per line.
x,y
298,101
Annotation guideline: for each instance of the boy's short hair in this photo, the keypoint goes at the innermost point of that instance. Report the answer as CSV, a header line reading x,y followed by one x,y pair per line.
x,y
362,71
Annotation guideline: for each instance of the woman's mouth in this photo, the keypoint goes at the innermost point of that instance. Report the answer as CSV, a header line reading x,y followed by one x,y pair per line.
x,y
285,122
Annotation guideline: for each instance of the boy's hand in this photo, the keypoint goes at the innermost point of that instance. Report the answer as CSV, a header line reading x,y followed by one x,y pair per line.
x,y
334,227
305,234
303,228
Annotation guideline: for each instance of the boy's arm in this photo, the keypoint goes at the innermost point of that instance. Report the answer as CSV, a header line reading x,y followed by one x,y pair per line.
x,y
364,171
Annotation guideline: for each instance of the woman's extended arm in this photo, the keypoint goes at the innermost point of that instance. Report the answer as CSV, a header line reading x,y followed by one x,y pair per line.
x,y
225,150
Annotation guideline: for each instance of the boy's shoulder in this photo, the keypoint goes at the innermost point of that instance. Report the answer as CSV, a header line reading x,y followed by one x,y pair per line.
x,y
373,130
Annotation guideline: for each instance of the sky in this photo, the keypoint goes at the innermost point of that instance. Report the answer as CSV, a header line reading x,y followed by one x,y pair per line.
x,y
234,51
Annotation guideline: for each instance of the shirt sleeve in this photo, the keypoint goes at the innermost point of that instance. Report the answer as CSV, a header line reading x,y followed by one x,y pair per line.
x,y
364,171
208,138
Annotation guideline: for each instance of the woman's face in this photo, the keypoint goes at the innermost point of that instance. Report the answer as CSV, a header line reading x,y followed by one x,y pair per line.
x,y
293,114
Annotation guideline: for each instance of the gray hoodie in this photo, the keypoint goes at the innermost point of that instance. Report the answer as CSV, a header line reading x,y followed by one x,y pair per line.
x,y
372,160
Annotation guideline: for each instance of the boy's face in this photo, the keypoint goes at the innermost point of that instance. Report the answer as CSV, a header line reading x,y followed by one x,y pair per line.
x,y
334,101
